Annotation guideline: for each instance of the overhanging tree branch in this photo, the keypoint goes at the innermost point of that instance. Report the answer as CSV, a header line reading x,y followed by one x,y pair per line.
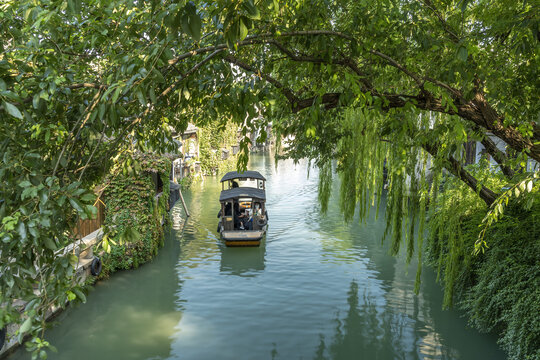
x,y
291,97
456,169
443,22
331,100
478,111
499,156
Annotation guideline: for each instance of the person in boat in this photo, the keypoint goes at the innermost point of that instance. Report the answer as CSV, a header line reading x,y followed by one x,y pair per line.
x,y
248,220
258,211
228,210
234,184
238,217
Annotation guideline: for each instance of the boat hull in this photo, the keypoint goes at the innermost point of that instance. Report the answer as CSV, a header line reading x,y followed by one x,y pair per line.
x,y
242,237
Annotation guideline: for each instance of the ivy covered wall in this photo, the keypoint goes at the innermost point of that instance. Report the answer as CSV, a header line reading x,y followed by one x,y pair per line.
x,y
133,213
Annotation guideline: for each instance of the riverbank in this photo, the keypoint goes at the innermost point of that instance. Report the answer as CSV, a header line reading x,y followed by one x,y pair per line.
x,y
499,287
83,273
136,209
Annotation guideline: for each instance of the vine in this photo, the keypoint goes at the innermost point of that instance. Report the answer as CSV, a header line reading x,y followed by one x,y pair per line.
x,y
133,213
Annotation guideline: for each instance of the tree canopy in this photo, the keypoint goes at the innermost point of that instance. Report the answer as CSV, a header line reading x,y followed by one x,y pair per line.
x,y
375,84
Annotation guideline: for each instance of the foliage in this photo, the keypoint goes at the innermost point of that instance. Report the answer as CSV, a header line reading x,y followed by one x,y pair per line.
x,y
499,288
84,80
454,217
186,182
212,138
133,230
497,208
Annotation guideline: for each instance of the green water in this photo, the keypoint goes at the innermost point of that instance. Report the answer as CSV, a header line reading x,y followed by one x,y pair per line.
x,y
316,289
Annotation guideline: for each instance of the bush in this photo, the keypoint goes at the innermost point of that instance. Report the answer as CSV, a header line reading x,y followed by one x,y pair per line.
x,y
506,295
499,289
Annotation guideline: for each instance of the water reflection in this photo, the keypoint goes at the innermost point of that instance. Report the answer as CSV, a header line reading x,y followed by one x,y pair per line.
x,y
247,261
132,315
371,331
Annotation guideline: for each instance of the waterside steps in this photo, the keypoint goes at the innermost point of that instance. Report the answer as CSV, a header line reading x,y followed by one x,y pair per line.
x,y
242,237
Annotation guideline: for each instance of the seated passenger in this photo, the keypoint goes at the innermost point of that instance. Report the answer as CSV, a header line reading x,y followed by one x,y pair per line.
x,y
248,220
238,217
257,211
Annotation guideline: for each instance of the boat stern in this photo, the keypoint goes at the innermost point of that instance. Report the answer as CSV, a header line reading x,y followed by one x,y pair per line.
x,y
242,237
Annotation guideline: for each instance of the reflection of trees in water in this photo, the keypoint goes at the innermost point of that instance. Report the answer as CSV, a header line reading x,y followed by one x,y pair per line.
x,y
372,331
359,334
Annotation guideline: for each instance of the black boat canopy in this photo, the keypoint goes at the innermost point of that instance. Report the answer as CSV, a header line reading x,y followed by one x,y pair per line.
x,y
242,192
244,175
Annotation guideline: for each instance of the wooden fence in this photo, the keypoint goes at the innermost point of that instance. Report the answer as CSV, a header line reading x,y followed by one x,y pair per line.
x,y
86,227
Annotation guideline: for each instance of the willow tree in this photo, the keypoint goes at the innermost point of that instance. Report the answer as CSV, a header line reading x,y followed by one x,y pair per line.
x,y
362,82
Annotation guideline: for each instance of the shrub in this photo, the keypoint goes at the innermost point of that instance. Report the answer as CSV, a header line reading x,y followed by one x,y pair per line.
x,y
498,289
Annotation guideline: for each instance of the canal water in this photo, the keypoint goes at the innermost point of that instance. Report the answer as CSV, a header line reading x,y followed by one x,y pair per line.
x,y
317,288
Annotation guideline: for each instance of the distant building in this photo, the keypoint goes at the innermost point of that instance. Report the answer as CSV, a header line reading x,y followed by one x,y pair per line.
x,y
188,146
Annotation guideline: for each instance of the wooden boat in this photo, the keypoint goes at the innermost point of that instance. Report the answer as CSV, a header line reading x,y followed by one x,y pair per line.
x,y
243,217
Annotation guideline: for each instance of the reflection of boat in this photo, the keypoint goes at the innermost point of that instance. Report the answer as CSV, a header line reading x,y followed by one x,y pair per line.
x,y
243,217
246,262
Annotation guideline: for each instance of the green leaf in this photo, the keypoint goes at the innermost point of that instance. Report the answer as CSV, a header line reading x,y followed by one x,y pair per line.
x,y
101,110
462,54
464,4
10,281
186,93
158,75
243,30
152,94
43,196
49,243
25,183
29,192
191,21
33,231
21,229
131,235
35,101
76,204
141,97
80,295
25,327
88,197
251,9
117,93
12,110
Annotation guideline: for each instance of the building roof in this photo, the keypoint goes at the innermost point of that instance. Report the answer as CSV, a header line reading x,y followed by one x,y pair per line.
x,y
244,175
191,129
241,192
